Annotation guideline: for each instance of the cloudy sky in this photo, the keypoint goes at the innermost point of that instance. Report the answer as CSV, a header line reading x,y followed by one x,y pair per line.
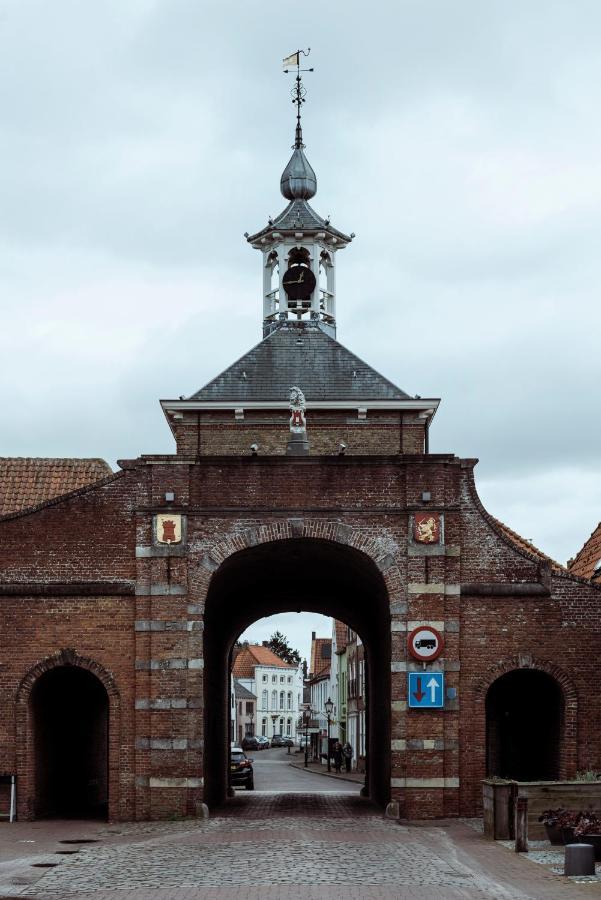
x,y
460,141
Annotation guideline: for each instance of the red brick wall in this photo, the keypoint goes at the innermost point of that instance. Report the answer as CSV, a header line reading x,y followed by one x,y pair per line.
x,y
138,642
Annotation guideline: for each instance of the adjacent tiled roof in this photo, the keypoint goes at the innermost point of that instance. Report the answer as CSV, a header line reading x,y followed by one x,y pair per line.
x,y
304,355
588,557
321,675
523,544
299,216
321,655
340,630
256,655
242,693
28,481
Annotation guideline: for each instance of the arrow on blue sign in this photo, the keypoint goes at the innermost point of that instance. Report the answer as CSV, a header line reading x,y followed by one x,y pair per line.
x,y
426,690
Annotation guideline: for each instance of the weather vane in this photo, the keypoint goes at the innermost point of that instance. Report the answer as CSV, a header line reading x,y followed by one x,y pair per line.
x,y
298,92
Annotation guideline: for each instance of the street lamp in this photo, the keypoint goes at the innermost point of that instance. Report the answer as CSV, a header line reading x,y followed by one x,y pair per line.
x,y
306,719
329,705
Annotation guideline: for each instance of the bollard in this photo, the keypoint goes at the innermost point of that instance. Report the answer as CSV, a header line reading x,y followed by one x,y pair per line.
x,y
521,825
579,860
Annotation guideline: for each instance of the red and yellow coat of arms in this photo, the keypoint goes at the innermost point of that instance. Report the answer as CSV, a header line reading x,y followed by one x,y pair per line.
x,y
426,527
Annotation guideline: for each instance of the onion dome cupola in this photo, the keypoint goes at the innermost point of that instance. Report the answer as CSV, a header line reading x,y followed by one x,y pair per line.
x,y
299,247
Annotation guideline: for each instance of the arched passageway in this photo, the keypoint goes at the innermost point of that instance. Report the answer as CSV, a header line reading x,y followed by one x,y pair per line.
x,y
524,715
293,575
70,715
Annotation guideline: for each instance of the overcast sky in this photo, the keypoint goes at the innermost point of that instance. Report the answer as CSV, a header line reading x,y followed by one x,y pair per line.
x,y
460,141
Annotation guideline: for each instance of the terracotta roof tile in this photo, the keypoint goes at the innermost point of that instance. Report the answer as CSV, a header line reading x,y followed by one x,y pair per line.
x,y
523,544
321,654
28,481
256,655
588,557
340,630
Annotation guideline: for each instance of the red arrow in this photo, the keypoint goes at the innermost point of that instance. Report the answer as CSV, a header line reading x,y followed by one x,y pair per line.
x,y
419,694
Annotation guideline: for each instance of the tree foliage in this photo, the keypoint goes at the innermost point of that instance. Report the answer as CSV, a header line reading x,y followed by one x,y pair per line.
x,y
278,643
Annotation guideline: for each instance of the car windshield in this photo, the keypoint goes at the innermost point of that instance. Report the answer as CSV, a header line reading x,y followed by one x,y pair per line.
x,y
238,757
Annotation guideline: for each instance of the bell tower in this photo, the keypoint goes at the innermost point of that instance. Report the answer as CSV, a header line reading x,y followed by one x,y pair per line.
x,y
298,247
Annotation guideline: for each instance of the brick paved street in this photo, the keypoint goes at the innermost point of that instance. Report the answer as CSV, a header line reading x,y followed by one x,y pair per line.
x,y
271,846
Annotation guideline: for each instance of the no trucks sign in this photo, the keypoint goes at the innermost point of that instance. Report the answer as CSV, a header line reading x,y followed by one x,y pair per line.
x,y
425,643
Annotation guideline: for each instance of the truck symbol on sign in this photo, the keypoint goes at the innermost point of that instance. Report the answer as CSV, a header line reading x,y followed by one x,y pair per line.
x,y
426,644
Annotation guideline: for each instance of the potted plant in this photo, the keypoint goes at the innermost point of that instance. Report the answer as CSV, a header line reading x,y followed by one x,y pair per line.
x,y
567,822
588,831
551,820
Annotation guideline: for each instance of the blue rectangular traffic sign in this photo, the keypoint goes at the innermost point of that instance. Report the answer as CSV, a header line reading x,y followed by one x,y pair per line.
x,y
426,690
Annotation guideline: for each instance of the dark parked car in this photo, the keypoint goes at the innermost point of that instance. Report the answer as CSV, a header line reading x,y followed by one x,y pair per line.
x,y
279,740
251,742
241,769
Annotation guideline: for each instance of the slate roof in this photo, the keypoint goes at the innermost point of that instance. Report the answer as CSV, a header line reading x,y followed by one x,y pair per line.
x,y
304,355
256,655
241,692
299,216
588,557
28,481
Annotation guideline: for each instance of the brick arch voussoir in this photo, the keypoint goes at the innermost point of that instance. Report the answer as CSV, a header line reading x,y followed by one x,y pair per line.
x,y
542,665
66,657
295,528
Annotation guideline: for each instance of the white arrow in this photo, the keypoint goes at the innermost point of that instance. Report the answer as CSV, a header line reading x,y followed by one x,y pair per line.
x,y
433,685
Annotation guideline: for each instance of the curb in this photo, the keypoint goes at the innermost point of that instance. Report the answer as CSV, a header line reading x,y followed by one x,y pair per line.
x,y
326,774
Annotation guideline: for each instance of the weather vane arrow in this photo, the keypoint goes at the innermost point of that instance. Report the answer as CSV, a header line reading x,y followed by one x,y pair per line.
x,y
298,91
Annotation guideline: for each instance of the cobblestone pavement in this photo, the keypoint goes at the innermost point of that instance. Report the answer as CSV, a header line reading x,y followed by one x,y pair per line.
x,y
273,846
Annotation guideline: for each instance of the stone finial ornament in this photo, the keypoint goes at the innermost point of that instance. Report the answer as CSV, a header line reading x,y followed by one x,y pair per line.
x,y
298,445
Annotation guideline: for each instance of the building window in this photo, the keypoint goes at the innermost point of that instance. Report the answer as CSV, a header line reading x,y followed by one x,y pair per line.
x,y
281,679
281,726
265,700
274,699
264,677
290,679
264,727
274,679
281,699
289,706
288,727
249,707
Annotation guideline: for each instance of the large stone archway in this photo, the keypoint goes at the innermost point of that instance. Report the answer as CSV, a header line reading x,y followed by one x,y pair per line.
x,y
288,572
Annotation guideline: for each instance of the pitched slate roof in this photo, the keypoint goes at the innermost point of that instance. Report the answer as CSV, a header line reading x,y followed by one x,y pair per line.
x,y
299,216
256,655
588,557
304,355
241,692
28,481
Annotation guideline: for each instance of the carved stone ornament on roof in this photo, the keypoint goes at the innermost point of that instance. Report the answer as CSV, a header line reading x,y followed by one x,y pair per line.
x,y
298,422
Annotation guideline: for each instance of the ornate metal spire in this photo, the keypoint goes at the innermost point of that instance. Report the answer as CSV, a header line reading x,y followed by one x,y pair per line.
x,y
298,181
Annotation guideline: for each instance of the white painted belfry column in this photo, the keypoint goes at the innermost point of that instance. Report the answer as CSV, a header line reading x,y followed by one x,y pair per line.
x,y
268,304
331,285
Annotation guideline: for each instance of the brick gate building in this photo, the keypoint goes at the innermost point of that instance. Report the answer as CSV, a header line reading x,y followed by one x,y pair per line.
x,y
120,600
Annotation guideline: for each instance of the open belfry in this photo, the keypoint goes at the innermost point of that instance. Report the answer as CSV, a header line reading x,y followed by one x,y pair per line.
x,y
301,480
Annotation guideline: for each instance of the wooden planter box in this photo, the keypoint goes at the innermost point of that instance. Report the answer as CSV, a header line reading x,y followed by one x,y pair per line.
x,y
543,795
498,800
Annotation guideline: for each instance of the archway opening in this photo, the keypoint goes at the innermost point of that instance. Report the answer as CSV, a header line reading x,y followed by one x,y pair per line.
x,y
524,714
289,576
298,692
70,715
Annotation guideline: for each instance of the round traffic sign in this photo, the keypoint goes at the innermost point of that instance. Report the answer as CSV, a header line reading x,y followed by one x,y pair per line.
x,y
425,643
